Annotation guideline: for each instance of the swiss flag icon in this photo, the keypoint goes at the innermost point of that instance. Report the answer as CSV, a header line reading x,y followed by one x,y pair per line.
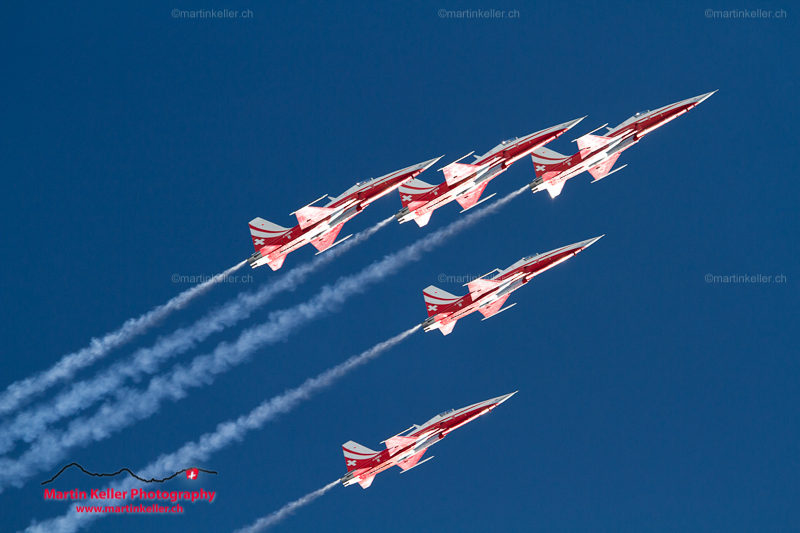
x,y
191,473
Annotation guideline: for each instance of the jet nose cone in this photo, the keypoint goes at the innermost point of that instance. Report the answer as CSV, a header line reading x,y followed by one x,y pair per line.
x,y
571,123
703,97
430,162
501,399
589,242
585,244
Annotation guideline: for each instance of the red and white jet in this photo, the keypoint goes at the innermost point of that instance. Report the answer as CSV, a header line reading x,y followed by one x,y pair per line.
x,y
406,451
597,154
320,225
487,296
464,182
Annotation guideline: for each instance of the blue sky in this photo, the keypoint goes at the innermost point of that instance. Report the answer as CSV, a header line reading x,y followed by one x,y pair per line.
x,y
137,146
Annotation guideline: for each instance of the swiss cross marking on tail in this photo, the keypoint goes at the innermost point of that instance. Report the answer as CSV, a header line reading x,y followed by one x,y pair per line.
x,y
259,241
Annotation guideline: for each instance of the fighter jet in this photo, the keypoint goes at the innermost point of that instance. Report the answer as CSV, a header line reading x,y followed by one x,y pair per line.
x,y
406,451
488,293
464,182
321,225
596,153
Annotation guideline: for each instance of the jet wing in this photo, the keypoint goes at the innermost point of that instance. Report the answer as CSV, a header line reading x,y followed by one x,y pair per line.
x,y
395,442
412,461
479,287
327,239
308,216
471,198
494,307
455,172
601,170
591,143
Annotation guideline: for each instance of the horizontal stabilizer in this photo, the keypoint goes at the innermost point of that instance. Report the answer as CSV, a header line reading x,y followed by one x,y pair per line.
x,y
275,264
436,299
365,483
446,330
423,220
554,188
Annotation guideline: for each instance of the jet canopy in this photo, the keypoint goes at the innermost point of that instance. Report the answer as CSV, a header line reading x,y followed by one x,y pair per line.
x,y
446,412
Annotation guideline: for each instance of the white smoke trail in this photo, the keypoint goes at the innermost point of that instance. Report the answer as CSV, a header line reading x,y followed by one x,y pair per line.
x,y
28,425
132,406
226,433
289,509
20,391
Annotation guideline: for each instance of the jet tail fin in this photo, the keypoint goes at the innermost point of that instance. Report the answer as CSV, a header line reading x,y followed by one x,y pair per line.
x,y
545,162
265,234
436,299
357,456
412,190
